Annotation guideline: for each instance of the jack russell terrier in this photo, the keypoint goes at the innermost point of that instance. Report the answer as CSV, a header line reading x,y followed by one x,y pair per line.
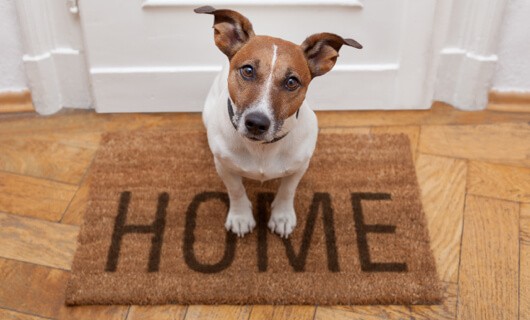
x,y
258,123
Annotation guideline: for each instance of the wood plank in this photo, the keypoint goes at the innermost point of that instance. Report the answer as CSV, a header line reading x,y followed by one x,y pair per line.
x,y
524,281
74,139
70,120
220,312
524,262
42,158
499,181
16,107
362,313
488,279
507,143
29,288
263,312
509,98
439,114
12,315
165,312
34,197
16,101
524,223
116,312
77,121
37,241
447,310
77,208
38,290
509,107
443,186
412,132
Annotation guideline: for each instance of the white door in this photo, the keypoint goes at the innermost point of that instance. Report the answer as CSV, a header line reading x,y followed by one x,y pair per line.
x,y
158,55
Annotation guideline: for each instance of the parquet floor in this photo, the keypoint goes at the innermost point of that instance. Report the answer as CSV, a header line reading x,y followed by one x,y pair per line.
x,y
473,169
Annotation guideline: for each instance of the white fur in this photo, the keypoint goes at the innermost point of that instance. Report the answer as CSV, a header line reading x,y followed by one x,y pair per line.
x,y
263,104
236,157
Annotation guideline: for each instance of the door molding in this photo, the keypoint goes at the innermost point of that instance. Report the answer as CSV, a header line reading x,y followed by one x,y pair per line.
x,y
468,57
53,58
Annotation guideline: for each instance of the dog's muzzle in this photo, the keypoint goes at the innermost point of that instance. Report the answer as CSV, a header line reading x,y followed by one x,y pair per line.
x,y
256,123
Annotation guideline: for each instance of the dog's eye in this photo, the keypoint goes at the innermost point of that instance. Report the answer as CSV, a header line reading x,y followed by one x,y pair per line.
x,y
247,72
292,84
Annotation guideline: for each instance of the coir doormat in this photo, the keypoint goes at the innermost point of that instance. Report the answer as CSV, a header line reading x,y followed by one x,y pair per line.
x,y
154,229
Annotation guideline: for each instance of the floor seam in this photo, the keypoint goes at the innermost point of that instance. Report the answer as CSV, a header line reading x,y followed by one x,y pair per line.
x,y
460,247
80,185
25,312
36,177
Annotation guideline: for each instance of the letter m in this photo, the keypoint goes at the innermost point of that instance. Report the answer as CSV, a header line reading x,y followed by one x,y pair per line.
x,y
321,202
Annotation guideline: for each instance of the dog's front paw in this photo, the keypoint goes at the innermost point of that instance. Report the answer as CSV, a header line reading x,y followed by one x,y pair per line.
x,y
240,223
282,221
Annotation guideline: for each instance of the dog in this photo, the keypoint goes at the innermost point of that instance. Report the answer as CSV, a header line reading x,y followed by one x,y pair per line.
x,y
257,121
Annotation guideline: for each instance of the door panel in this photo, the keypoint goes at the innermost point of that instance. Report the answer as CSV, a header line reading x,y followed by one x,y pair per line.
x,y
157,55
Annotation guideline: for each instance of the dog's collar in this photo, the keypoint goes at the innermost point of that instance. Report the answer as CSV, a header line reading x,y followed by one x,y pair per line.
x,y
231,116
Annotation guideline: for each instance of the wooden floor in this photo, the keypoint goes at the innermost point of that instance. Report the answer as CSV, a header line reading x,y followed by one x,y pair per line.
x,y
473,169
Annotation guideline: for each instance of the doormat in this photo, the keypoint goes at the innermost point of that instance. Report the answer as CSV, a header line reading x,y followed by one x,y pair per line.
x,y
154,229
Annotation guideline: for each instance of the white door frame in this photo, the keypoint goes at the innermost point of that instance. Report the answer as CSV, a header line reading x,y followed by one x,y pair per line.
x,y
53,55
463,51
468,57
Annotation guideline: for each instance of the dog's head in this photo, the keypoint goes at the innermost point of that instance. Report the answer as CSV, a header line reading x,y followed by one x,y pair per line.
x,y
269,77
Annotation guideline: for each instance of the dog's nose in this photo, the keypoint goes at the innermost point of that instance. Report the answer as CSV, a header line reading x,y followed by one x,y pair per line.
x,y
257,123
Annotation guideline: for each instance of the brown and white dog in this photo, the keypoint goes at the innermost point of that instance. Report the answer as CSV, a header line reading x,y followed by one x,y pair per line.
x,y
258,123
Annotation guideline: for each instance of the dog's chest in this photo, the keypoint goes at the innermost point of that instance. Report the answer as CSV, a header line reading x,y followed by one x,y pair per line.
x,y
261,165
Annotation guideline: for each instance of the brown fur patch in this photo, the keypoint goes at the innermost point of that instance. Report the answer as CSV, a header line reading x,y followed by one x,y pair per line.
x,y
322,50
231,29
290,61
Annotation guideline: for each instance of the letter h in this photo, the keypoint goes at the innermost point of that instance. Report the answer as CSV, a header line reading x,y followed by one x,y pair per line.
x,y
121,229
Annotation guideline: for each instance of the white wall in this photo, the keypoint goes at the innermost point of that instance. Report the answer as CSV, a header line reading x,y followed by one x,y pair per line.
x,y
12,76
513,69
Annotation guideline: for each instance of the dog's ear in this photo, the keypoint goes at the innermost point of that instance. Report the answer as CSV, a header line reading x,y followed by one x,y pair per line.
x,y
231,29
322,50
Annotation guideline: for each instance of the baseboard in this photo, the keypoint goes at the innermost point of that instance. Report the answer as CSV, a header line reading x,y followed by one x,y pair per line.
x,y
16,101
509,101
464,78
